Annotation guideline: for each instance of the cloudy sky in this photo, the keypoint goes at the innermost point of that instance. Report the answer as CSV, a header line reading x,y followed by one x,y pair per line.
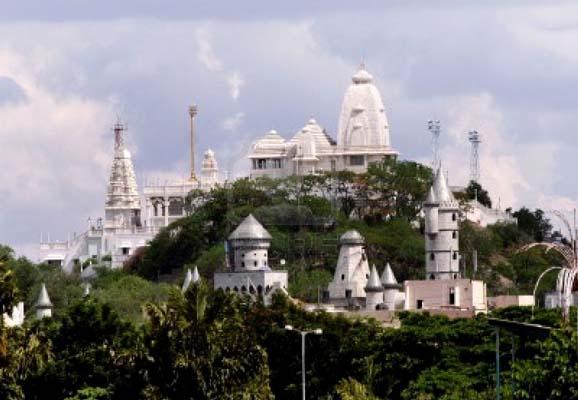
x,y
506,69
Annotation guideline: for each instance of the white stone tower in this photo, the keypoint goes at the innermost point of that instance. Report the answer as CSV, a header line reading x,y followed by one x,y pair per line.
x,y
390,287
250,244
441,231
209,170
352,271
373,291
122,207
43,304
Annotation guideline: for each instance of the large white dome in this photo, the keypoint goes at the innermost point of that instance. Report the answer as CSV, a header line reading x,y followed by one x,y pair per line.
x,y
362,122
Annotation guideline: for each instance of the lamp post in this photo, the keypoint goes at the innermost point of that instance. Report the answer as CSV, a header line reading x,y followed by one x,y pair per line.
x,y
303,334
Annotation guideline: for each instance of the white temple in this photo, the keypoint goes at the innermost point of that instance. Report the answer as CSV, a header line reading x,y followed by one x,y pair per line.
x,y
363,138
131,220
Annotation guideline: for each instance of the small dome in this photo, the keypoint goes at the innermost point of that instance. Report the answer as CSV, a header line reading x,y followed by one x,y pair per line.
x,y
352,237
362,76
249,229
312,121
209,153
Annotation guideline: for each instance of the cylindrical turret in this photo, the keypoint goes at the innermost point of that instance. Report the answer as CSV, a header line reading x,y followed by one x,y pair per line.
x,y
250,245
431,207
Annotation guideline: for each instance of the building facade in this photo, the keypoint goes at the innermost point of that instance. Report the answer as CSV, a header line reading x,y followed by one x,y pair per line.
x,y
363,137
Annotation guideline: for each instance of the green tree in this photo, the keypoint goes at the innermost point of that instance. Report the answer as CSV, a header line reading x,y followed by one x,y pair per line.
x,y
476,191
350,389
199,348
534,223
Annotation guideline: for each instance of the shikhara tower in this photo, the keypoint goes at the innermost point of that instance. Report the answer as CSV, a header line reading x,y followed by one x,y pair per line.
x,y
441,231
122,208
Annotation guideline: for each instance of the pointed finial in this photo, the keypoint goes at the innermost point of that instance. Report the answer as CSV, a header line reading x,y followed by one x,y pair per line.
x,y
187,281
196,277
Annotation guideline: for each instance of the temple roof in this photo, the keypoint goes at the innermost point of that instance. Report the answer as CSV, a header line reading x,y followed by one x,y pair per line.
x,y
250,228
313,136
362,122
122,189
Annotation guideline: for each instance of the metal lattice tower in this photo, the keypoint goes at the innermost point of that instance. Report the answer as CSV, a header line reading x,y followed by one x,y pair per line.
x,y
474,138
434,128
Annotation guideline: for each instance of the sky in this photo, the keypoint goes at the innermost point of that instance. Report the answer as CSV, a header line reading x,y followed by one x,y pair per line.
x,y
70,69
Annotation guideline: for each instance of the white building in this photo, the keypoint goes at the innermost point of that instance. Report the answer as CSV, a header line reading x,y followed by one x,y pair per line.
x,y
373,291
248,248
446,294
441,231
130,220
16,317
478,213
392,296
352,271
363,138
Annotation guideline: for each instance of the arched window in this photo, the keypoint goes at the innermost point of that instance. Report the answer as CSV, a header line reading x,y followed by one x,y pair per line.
x,y
342,277
176,206
455,255
260,289
454,234
454,217
432,256
243,289
255,263
432,277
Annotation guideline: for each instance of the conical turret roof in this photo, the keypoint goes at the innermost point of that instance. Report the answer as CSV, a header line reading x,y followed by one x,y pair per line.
x,y
190,277
387,277
441,189
43,299
373,283
431,197
250,228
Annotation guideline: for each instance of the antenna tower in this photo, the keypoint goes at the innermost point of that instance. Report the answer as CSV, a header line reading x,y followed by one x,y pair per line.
x,y
474,138
434,128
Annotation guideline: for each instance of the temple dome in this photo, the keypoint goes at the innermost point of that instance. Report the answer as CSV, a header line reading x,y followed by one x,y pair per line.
x,y
362,122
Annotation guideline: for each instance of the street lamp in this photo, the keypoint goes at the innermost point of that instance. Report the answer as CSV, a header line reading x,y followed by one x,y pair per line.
x,y
303,334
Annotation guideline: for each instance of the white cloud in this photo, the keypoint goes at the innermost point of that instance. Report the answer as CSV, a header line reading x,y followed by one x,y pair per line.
x,y
232,123
56,143
235,82
206,54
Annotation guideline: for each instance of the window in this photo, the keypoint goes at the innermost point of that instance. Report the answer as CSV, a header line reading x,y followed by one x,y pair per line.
x,y
261,163
456,277
333,166
276,163
176,207
125,251
356,160
242,255
366,276
419,304
454,217
452,296
455,255
454,234
432,277
243,264
432,256
255,263
342,277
